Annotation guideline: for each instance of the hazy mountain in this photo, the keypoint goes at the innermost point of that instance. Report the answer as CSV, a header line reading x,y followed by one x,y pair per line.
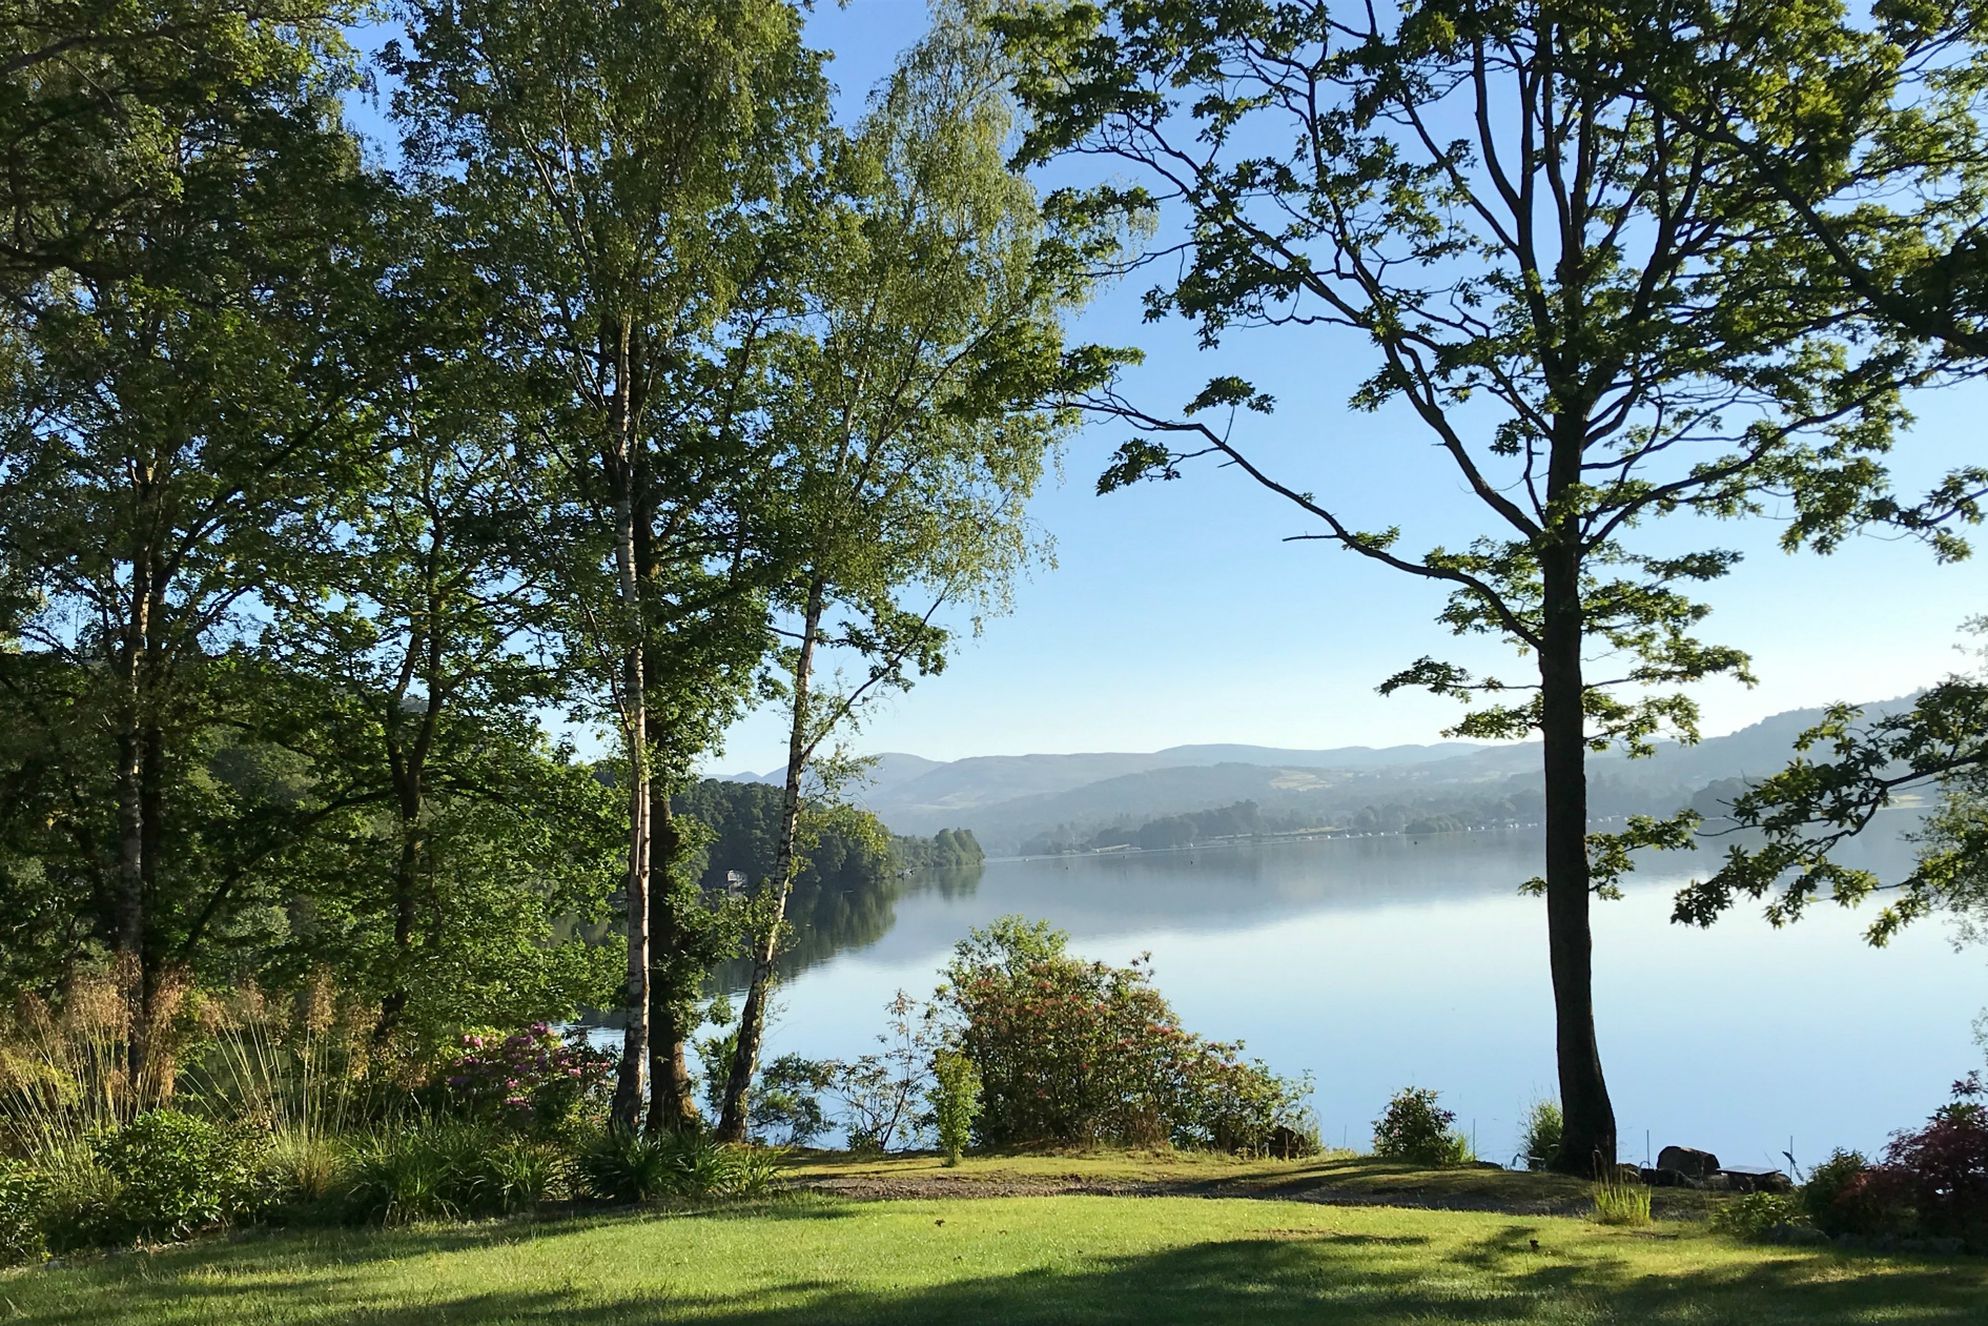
x,y
1007,799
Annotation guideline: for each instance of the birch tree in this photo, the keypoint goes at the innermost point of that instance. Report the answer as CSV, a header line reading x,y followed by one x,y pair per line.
x,y
917,402
603,160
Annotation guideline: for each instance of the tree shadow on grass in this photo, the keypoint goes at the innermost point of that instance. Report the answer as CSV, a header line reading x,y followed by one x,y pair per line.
x,y
1272,1278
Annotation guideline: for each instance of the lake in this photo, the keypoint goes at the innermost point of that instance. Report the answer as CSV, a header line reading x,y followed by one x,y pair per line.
x,y
1376,963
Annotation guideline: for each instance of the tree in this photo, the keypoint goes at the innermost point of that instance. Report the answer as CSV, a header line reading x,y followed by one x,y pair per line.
x,y
184,410
1801,815
1573,299
94,98
413,665
606,164
1885,179
915,401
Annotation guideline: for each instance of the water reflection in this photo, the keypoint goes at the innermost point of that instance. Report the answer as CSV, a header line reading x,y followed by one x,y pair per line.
x,y
1375,963
829,920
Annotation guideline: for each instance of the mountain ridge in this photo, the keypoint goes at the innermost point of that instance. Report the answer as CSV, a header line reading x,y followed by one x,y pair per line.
x,y
1008,800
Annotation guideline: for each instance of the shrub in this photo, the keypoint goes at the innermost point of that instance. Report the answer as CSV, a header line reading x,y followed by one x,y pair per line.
x,y
535,1079
23,1206
955,1101
879,1093
1416,1129
299,1173
1876,1203
1620,1201
81,1210
1944,1167
175,1174
1076,1053
519,1174
437,1170
1824,1190
788,1099
619,1166
1543,1127
1754,1215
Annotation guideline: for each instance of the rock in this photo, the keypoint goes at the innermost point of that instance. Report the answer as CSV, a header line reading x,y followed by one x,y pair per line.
x,y
1629,1174
1669,1178
1691,1163
1795,1235
1756,1180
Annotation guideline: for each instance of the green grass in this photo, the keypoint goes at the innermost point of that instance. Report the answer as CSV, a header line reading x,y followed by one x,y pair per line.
x,y
1335,1176
1005,1259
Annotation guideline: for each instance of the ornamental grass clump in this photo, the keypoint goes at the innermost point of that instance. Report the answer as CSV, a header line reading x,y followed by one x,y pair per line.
x,y
1621,1201
620,1166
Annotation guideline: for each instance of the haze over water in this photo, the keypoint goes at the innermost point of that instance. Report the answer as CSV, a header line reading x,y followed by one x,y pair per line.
x,y
1382,962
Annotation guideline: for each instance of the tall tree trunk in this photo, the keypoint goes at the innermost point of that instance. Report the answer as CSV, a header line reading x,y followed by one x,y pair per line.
x,y
622,475
130,782
406,887
672,1093
752,1018
1587,1142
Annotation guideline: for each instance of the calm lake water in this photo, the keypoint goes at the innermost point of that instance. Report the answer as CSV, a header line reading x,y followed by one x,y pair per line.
x,y
1381,962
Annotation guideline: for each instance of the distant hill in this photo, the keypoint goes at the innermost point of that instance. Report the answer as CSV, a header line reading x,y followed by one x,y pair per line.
x,y
1008,800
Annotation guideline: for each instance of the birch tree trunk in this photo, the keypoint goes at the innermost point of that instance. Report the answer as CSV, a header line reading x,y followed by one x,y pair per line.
x,y
629,1082
752,1018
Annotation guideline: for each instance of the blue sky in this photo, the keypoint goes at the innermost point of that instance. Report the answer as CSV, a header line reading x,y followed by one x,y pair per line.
x,y
1175,614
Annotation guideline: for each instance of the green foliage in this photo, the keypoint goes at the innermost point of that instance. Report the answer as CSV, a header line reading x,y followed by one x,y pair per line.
x,y
1757,1215
1541,1139
955,1099
878,1094
1825,1188
948,849
618,1166
1848,769
428,1170
1081,1053
1636,351
23,1208
1620,1200
786,1103
1416,1129
176,1174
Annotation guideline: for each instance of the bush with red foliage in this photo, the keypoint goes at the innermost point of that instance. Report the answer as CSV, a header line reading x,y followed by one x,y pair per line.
x,y
1945,1166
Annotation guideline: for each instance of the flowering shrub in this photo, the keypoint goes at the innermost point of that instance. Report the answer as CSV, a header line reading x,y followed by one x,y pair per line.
x,y
1071,1052
534,1078
1876,1202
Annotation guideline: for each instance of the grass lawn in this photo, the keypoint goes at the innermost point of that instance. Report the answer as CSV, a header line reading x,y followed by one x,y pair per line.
x,y
1024,1260
1339,1177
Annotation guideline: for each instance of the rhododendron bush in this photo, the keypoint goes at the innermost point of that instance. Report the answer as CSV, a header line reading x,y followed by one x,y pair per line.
x,y
535,1078
1071,1052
